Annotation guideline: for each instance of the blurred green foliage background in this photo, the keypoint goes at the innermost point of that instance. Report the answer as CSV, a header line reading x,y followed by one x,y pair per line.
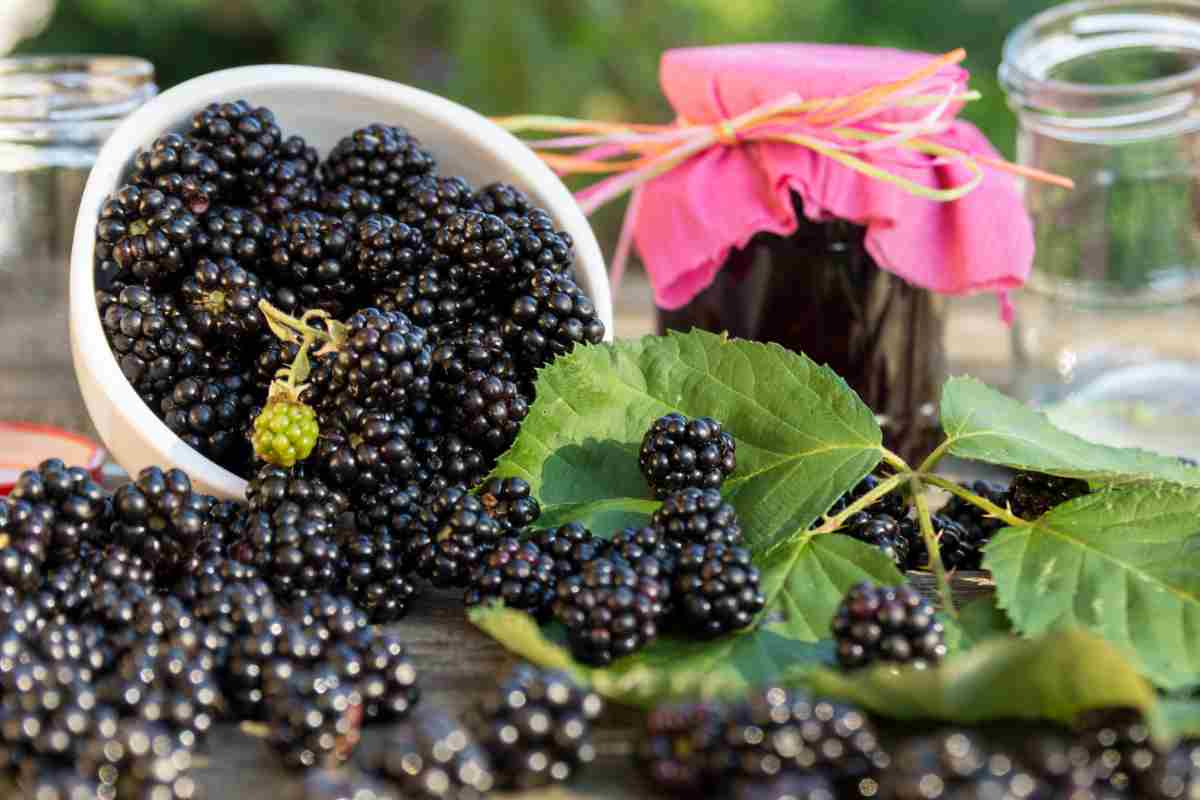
x,y
595,58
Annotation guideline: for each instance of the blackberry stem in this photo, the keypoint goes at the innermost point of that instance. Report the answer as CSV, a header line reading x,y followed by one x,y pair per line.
x,y
895,461
291,329
885,486
983,503
933,458
931,544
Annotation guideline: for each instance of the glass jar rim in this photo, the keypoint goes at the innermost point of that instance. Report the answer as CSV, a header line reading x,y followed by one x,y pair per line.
x,y
1019,82
89,87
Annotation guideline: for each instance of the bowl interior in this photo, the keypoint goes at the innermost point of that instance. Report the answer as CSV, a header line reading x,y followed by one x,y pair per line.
x,y
323,106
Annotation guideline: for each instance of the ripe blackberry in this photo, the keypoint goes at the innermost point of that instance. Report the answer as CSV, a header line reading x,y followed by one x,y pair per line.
x,y
348,204
510,501
273,486
488,410
73,506
698,516
680,453
1118,740
891,504
549,316
377,159
373,568
633,545
315,718
284,432
609,610
221,299
481,243
19,570
329,617
387,251
959,764
287,183
974,520
208,415
684,752
243,139
154,344
271,355
537,727
1067,768
1176,775
388,683
28,527
501,199
294,549
139,759
716,589
455,534
435,298
882,531
1032,494
957,544
166,685
540,246
182,168
474,348
237,233
148,233
432,757
517,573
447,461
571,546
394,510
362,451
314,254
427,201
891,624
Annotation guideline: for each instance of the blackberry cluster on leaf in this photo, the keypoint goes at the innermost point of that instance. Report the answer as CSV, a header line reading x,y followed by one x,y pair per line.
x,y
517,573
883,531
570,546
681,453
455,534
887,624
698,516
716,589
1032,494
683,751
609,610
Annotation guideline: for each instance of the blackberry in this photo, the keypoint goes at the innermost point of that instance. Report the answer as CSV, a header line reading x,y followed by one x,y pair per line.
x,y
393,510
455,533
329,617
698,516
364,451
549,316
323,784
427,201
148,233
958,764
435,298
632,545
887,624
684,751
284,432
1118,740
243,139
448,462
388,683
19,570
183,168
539,246
139,759
979,527
510,501
431,757
289,182
294,549
882,531
519,574
716,589
891,503
501,199
236,233
314,253
680,453
221,299
1067,768
348,204
387,251
1176,775
484,246
373,566
609,610
28,527
166,685
792,785
377,159
154,344
571,546
489,410
537,727
207,414
315,718
474,348
1032,494
272,355
73,506
956,544
273,486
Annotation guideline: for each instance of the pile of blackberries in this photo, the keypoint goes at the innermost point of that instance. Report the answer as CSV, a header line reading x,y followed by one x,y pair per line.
x,y
432,303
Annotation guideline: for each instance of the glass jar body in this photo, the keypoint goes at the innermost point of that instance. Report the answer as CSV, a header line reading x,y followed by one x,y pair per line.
x,y
819,292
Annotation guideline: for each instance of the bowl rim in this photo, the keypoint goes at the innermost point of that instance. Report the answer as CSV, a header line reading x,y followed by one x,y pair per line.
x,y
96,452
89,346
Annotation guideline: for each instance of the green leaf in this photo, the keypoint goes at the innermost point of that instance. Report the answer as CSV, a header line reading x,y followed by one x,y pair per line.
x,y
984,425
1053,677
803,437
803,581
1123,563
982,619
1180,716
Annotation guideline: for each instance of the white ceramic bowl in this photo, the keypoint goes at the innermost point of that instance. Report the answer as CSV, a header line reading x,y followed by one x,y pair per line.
x,y
323,105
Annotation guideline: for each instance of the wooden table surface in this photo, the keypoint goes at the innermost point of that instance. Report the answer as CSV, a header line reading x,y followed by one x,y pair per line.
x,y
456,662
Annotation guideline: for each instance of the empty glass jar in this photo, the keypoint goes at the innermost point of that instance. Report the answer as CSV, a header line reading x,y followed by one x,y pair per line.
x,y
1107,337
55,113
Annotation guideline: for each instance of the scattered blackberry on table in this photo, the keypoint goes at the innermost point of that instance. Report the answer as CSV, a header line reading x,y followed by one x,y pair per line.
x,y
148,233
609,610
510,501
484,246
184,168
294,548
455,533
1066,767
243,139
329,617
221,299
427,201
892,503
272,486
315,718
571,546
517,573
140,759
882,531
208,414
681,453
1176,774
388,684
549,316
314,253
161,520
698,516
683,751
394,510
791,785
536,727
1032,494
387,251
888,624
284,432
954,764
363,451
19,570
325,784
155,345
168,686
1118,740
73,506
376,159
374,573
716,589
432,757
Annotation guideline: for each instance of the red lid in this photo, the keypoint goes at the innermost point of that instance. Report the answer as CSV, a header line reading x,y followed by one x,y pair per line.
x,y
24,445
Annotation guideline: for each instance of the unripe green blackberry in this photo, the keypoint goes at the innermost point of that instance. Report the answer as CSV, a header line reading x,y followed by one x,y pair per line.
x,y
285,432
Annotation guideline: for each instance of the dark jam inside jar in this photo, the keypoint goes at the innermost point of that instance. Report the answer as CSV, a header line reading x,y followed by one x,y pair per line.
x,y
819,292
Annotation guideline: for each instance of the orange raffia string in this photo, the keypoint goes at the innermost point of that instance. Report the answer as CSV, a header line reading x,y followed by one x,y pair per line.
x,y
839,128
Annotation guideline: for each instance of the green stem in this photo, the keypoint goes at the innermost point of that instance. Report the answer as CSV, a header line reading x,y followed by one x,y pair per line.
x,y
283,324
931,544
896,462
991,508
933,458
833,523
